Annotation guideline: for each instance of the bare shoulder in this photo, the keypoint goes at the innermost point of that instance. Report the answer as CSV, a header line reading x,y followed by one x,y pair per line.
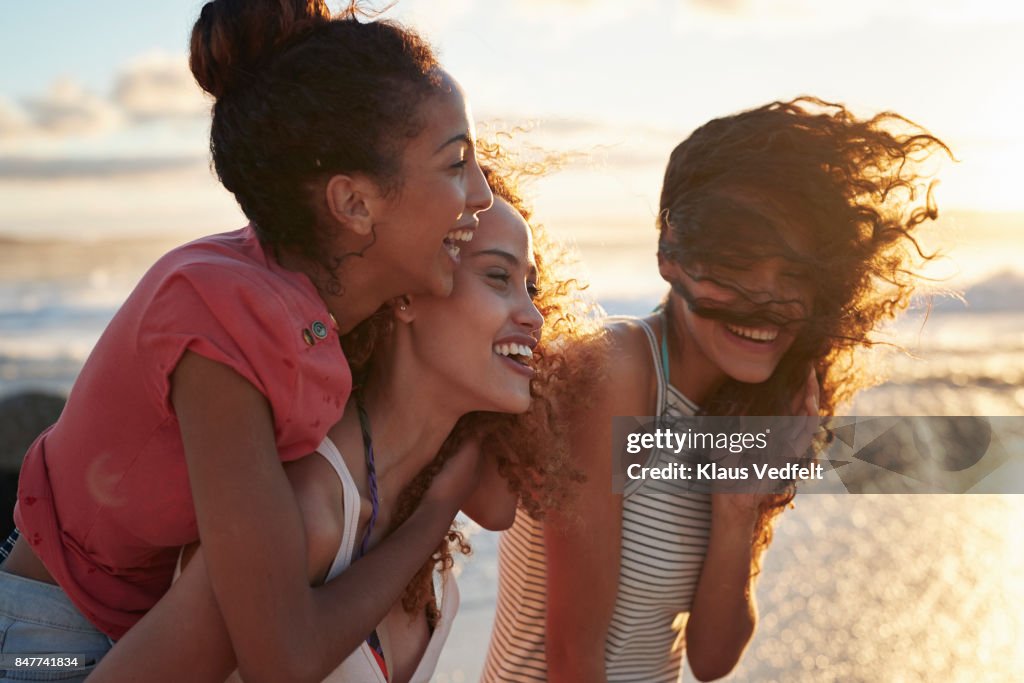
x,y
320,497
629,381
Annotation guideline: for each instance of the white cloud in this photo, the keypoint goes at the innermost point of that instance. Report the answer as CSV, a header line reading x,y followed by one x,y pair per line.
x,y
152,88
68,109
159,86
782,17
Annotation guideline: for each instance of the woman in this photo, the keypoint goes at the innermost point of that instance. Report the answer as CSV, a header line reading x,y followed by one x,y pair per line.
x,y
352,154
426,366
786,234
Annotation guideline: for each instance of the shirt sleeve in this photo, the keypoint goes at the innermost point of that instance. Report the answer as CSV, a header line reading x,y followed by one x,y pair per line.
x,y
232,317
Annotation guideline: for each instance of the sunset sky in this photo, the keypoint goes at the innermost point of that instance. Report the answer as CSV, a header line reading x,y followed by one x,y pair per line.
x,y
103,131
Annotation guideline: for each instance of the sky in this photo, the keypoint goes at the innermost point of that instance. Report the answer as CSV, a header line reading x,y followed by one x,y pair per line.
x,y
103,132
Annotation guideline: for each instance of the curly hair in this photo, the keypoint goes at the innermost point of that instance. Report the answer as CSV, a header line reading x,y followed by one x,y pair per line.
x,y
303,95
851,187
531,449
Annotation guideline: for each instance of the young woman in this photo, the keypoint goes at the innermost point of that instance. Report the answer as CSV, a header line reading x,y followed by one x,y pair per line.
x,y
786,233
352,154
424,365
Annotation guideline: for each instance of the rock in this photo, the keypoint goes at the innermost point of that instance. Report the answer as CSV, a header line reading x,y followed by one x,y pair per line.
x,y
22,418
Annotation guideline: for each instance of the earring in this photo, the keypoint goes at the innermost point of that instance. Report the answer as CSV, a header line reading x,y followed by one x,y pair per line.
x,y
403,307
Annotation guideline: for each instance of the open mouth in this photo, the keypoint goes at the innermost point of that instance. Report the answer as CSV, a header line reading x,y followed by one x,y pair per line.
x,y
759,335
520,353
454,239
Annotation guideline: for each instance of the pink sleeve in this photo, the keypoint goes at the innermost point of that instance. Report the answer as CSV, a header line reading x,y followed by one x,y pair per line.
x,y
229,316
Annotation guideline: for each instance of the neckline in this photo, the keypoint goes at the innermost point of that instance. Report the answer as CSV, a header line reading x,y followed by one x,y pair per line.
x,y
666,375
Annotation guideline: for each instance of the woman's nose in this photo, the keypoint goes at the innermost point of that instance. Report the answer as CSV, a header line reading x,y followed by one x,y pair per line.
x,y
478,193
528,316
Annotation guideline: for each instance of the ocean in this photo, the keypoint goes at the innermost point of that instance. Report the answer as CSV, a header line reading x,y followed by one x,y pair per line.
x,y
855,588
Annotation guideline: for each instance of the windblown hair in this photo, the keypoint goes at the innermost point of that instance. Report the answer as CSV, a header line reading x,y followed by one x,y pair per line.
x,y
850,188
531,449
301,96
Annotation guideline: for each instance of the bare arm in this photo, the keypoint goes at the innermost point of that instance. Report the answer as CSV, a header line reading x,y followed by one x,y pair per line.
x,y
583,543
258,601
723,616
724,613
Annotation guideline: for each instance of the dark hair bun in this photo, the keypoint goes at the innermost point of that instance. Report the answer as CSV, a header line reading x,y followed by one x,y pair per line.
x,y
233,38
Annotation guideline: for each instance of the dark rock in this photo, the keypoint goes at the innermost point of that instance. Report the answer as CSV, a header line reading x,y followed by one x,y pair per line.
x,y
22,418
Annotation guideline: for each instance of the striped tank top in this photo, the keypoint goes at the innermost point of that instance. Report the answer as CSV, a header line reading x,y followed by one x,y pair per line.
x,y
664,541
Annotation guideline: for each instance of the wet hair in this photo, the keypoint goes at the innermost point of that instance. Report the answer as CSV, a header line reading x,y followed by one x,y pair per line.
x,y
531,449
748,186
303,95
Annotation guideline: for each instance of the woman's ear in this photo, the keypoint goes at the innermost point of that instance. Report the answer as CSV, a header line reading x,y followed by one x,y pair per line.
x,y
405,310
349,199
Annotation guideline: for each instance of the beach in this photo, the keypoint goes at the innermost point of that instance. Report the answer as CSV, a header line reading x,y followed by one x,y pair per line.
x,y
854,587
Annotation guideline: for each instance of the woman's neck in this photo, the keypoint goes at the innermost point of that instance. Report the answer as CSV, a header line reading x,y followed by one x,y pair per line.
x,y
692,372
350,300
410,418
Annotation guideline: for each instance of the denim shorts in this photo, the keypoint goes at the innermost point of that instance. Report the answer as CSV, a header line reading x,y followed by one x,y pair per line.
x,y
38,619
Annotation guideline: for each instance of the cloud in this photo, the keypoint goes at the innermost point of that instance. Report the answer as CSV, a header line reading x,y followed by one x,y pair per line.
x,y
58,168
68,109
780,17
159,87
152,88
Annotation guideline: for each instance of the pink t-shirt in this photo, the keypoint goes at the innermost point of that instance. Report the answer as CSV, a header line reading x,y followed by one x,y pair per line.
x,y
104,498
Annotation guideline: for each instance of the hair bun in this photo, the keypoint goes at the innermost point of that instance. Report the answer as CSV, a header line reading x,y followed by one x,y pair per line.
x,y
233,38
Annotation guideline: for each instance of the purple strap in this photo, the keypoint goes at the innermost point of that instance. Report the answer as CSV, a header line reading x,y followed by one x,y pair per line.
x,y
371,472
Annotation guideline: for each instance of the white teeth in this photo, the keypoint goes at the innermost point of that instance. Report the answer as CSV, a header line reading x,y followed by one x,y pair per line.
x,y
514,350
754,333
465,235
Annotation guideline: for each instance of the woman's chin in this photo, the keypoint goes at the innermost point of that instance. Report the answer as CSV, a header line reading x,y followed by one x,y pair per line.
x,y
750,373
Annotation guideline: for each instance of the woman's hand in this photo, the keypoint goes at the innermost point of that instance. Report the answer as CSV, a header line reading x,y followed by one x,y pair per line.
x,y
458,478
492,504
742,508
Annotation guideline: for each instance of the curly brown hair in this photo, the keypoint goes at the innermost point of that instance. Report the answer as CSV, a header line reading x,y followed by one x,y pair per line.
x,y
531,449
852,187
303,95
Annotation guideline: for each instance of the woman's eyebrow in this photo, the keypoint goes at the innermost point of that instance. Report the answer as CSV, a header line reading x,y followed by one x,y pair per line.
x,y
461,137
511,258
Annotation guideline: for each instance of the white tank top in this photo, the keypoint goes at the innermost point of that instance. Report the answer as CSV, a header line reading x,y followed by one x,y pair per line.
x,y
361,666
664,541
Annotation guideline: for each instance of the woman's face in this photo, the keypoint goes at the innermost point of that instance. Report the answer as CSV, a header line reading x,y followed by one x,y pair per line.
x,y
419,231
480,339
745,353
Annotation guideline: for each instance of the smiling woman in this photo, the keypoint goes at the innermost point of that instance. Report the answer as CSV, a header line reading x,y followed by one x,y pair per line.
x,y
424,365
787,234
352,153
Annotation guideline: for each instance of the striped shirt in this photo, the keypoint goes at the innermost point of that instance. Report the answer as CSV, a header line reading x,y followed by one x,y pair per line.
x,y
664,541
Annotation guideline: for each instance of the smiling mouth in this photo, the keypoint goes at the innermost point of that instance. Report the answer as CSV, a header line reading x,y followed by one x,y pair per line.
x,y
454,239
520,353
760,335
